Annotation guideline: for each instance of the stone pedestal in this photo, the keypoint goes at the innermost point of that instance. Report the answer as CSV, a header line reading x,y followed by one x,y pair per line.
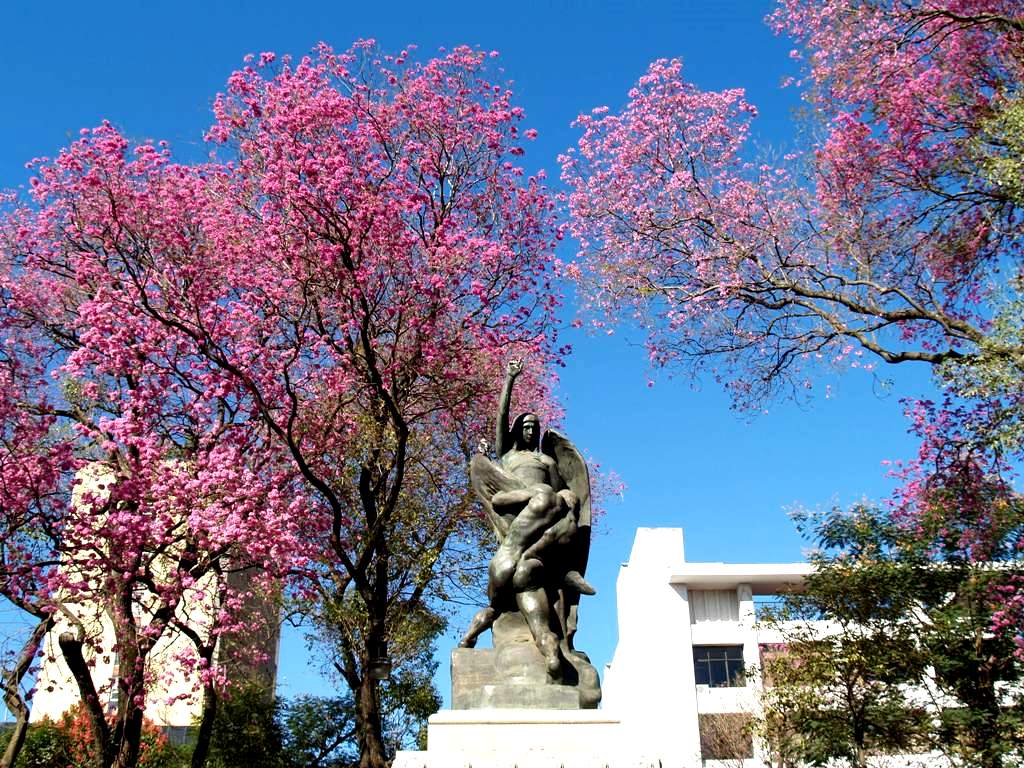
x,y
478,684
507,713
526,738
512,675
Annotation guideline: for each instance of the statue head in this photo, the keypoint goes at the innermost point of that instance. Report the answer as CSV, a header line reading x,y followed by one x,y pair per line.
x,y
526,431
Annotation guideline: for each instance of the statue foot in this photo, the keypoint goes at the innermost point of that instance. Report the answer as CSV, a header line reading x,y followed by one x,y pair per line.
x,y
554,668
576,581
467,642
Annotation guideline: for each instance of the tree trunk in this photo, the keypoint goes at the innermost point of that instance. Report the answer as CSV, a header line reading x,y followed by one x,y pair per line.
x,y
71,646
131,737
17,737
368,725
131,682
12,695
206,721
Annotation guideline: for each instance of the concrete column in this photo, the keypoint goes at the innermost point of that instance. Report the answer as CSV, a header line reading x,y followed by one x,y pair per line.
x,y
650,684
752,661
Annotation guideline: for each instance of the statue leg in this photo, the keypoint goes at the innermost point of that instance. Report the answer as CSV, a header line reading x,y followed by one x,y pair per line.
x,y
519,496
527,573
481,622
499,576
534,606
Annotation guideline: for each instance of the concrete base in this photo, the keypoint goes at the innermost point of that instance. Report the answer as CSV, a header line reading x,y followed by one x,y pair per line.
x,y
513,675
525,738
477,684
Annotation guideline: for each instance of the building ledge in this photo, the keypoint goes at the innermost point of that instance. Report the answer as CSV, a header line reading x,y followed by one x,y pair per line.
x,y
763,578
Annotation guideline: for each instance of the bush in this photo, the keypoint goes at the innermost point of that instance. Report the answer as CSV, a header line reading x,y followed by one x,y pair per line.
x,y
67,744
247,731
47,745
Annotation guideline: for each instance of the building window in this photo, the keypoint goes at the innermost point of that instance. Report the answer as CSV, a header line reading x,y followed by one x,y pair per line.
x,y
115,689
726,737
719,665
178,735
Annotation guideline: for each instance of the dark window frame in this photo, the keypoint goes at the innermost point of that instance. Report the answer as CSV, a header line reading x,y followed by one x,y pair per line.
x,y
719,666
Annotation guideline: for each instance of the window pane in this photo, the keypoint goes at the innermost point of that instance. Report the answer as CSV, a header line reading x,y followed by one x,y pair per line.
x,y
718,665
719,674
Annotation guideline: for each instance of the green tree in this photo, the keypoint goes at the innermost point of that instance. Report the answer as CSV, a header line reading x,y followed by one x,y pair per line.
x,y
407,697
247,730
320,732
999,149
46,745
909,662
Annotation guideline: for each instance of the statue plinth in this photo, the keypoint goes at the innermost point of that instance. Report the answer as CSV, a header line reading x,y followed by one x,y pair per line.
x,y
531,699
525,738
513,675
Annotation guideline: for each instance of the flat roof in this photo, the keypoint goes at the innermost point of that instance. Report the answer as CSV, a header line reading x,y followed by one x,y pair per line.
x,y
763,578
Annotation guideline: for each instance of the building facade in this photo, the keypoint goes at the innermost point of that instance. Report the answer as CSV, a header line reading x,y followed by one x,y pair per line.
x,y
684,679
174,686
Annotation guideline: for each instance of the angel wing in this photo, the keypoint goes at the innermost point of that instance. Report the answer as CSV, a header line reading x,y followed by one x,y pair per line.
x,y
573,473
486,479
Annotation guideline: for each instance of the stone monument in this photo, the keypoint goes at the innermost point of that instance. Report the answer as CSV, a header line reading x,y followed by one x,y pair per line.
x,y
538,504
532,698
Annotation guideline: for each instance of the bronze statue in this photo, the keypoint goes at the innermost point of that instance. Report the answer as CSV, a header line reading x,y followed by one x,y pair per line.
x,y
538,503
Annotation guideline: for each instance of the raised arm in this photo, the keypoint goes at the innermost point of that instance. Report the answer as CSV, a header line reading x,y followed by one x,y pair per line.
x,y
503,438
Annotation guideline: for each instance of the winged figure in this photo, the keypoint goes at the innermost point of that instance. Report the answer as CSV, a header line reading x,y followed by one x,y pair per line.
x,y
538,504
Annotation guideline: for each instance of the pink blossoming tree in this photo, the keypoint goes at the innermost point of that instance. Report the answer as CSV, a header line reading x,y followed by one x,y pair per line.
x,y
384,257
894,235
35,468
124,439
881,237
295,347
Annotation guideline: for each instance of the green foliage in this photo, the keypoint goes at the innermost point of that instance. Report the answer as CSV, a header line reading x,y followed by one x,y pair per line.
x,y
999,148
65,744
47,745
910,662
994,374
320,732
157,752
408,697
247,731
253,731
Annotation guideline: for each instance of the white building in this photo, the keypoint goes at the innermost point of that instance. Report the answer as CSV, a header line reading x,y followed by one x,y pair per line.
x,y
684,679
687,634
173,695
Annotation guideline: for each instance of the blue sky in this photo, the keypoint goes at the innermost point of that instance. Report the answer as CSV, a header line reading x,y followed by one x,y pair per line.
x,y
687,459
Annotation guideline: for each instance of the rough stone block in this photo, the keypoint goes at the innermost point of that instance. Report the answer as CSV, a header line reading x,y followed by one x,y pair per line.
x,y
472,669
528,696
